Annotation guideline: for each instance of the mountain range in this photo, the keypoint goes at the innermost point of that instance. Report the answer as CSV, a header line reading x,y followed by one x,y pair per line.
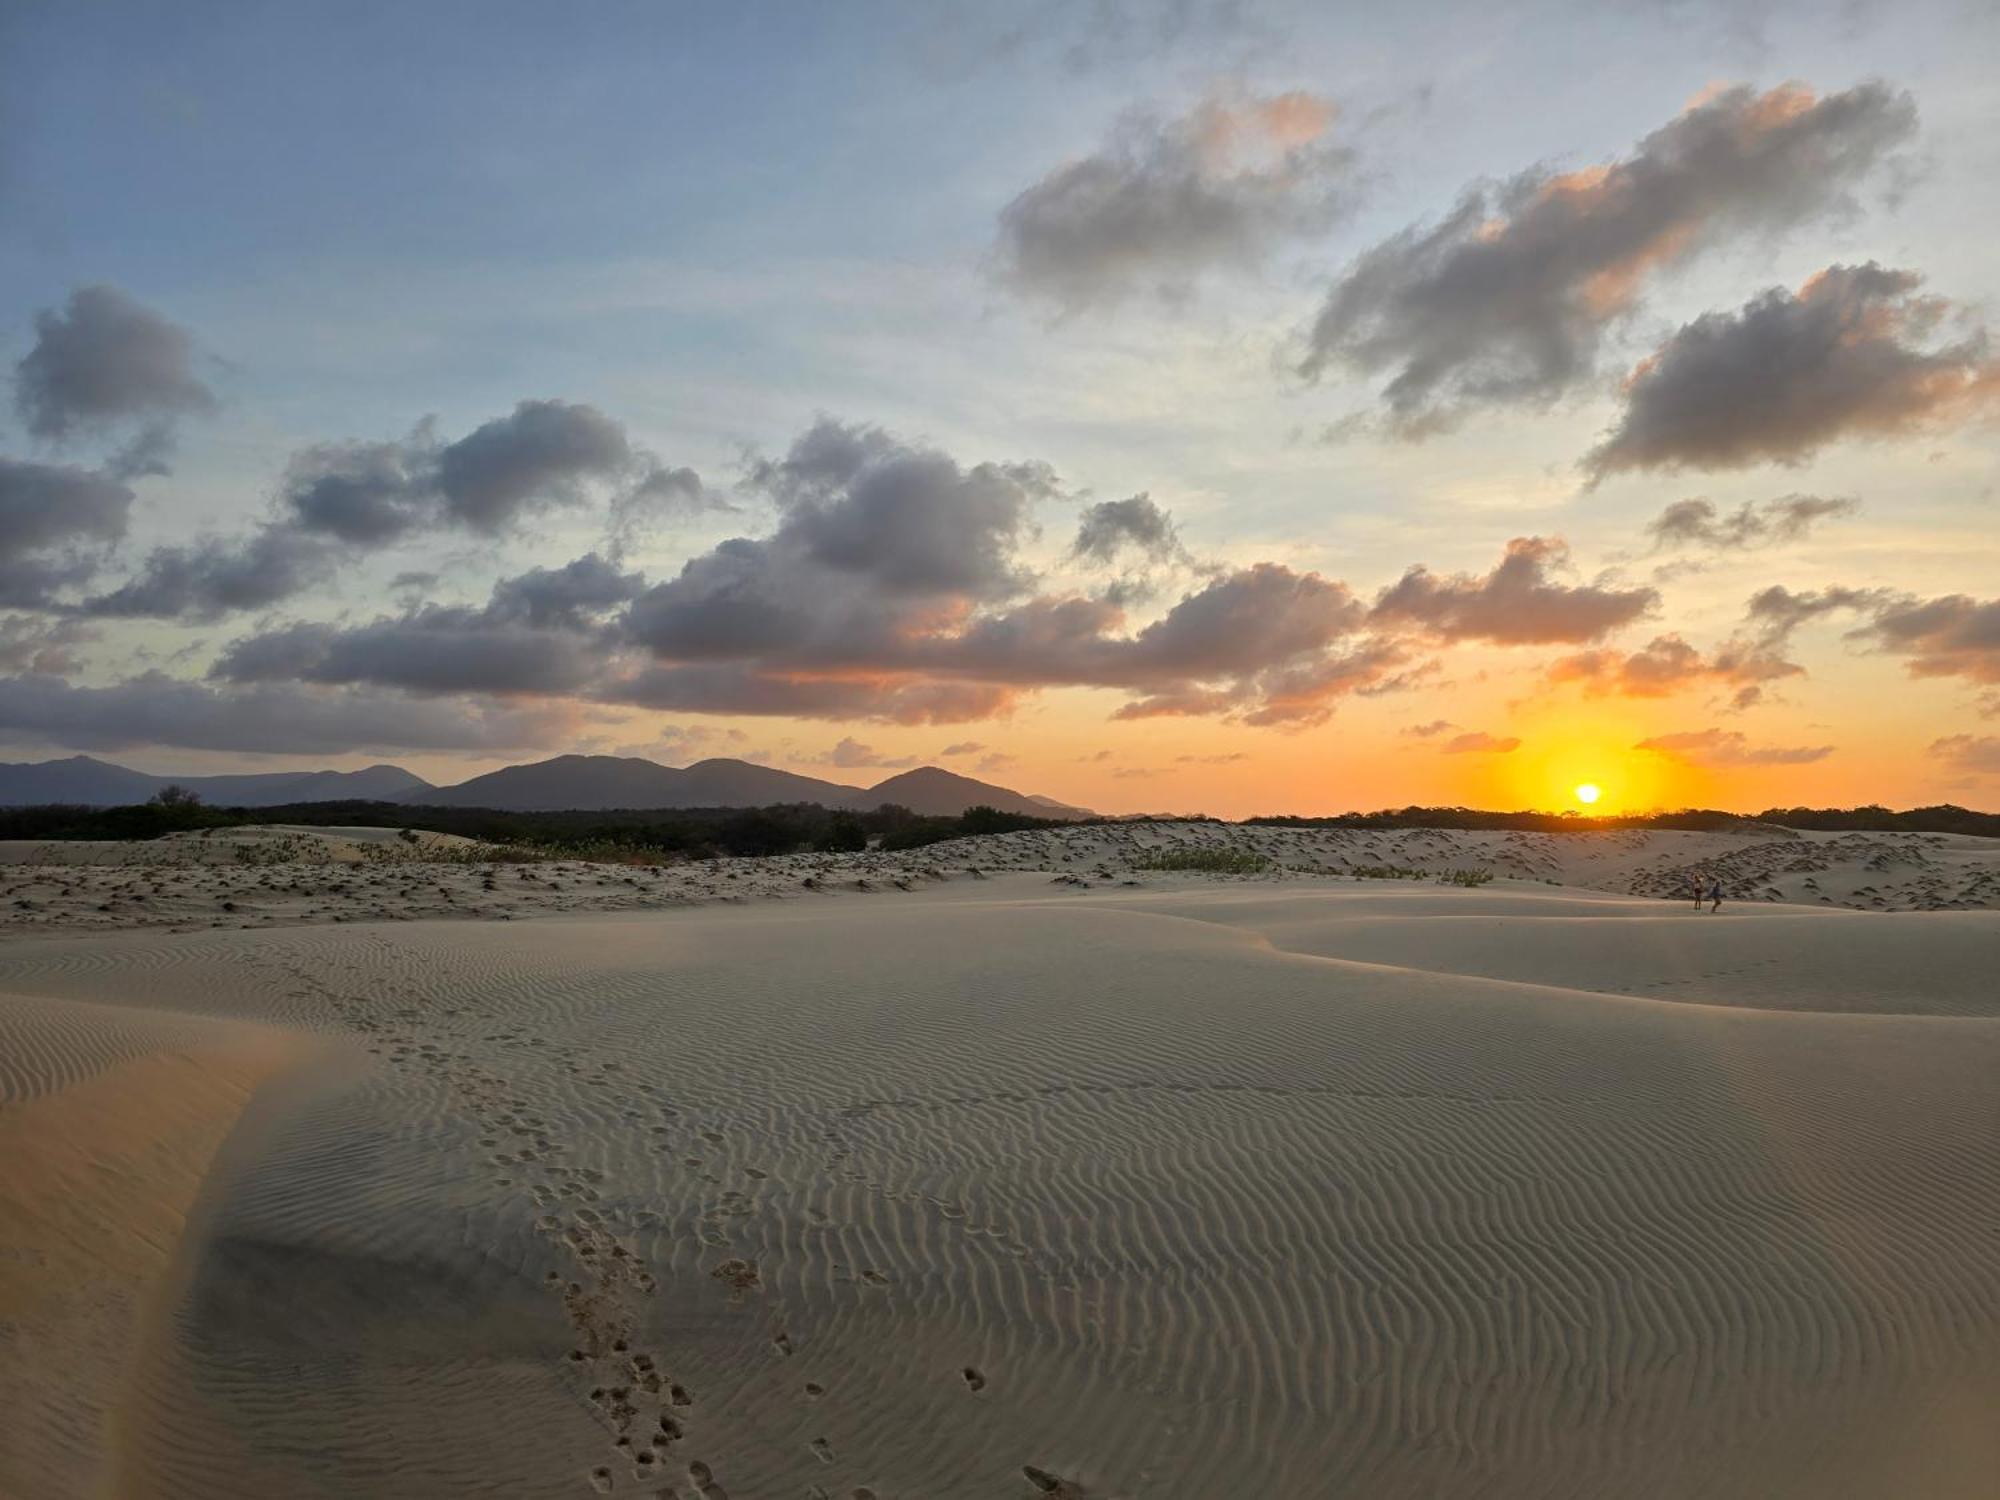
x,y
588,783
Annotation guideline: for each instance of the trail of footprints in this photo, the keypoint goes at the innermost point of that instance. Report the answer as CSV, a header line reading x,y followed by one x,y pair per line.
x,y
646,1413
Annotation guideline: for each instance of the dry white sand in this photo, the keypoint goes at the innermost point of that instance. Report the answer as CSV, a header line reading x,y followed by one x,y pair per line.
x,y
1288,1185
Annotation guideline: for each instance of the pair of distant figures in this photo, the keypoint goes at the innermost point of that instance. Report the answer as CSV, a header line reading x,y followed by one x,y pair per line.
x,y
1712,895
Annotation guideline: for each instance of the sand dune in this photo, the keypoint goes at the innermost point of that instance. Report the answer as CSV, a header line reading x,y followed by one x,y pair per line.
x,y
1289,1185
273,876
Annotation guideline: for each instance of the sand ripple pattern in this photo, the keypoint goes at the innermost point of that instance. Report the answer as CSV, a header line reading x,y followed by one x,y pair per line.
x,y
1106,1193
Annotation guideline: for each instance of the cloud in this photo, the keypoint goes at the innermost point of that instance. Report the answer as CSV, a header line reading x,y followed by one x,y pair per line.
x,y
1696,522
574,596
1850,355
1478,742
271,719
105,361
892,588
1167,200
364,494
851,753
997,761
1976,755
541,632
532,460
1505,301
1229,759
55,523
340,498
1428,731
1667,665
1951,636
43,647
1515,604
962,747
661,495
1112,526
1719,748
210,578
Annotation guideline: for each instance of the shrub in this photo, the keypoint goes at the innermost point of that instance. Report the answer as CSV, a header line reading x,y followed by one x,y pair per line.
x,y
1207,861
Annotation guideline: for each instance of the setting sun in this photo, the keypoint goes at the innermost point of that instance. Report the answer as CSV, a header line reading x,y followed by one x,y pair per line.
x,y
1588,793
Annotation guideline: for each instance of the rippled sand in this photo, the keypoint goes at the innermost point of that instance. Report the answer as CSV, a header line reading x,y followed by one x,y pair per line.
x,y
997,1188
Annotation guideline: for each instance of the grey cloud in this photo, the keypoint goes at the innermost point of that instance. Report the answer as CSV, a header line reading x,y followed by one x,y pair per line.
x,y
1850,355
1729,747
905,519
1428,731
1169,199
891,589
274,719
539,633
364,494
1697,523
1112,526
210,578
538,457
728,688
574,595
1506,300
435,650
1515,604
105,359
1952,636
533,457
41,646
1775,612
660,495
962,747
55,522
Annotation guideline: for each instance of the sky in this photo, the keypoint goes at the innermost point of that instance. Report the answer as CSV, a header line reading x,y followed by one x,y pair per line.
x,y
1223,407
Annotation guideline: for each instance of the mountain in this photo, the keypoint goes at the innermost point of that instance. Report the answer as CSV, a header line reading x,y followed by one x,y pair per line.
x,y
86,781
738,783
940,793
597,783
566,783
594,783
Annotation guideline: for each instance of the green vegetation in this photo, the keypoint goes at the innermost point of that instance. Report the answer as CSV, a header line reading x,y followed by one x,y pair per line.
x,y
637,836
1208,861
1384,872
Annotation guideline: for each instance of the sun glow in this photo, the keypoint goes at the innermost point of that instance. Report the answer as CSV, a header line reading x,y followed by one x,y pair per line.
x,y
1588,792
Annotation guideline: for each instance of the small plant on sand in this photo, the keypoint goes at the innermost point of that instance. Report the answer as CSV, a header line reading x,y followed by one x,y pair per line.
x,y
1207,861
1470,879
1384,872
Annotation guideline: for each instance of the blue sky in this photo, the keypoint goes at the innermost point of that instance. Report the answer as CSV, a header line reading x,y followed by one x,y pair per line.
x,y
716,224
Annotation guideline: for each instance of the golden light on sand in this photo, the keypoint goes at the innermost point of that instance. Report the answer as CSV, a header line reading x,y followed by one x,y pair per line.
x,y
1588,792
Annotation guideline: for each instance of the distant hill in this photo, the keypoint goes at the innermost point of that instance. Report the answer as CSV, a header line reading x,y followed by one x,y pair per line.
x,y
941,793
85,781
595,783
599,783
567,783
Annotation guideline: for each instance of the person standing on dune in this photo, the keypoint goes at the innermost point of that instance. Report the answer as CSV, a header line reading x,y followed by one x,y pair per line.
x,y
1714,896
1694,885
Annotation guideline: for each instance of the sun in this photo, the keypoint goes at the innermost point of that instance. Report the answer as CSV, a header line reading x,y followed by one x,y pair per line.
x,y
1588,793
